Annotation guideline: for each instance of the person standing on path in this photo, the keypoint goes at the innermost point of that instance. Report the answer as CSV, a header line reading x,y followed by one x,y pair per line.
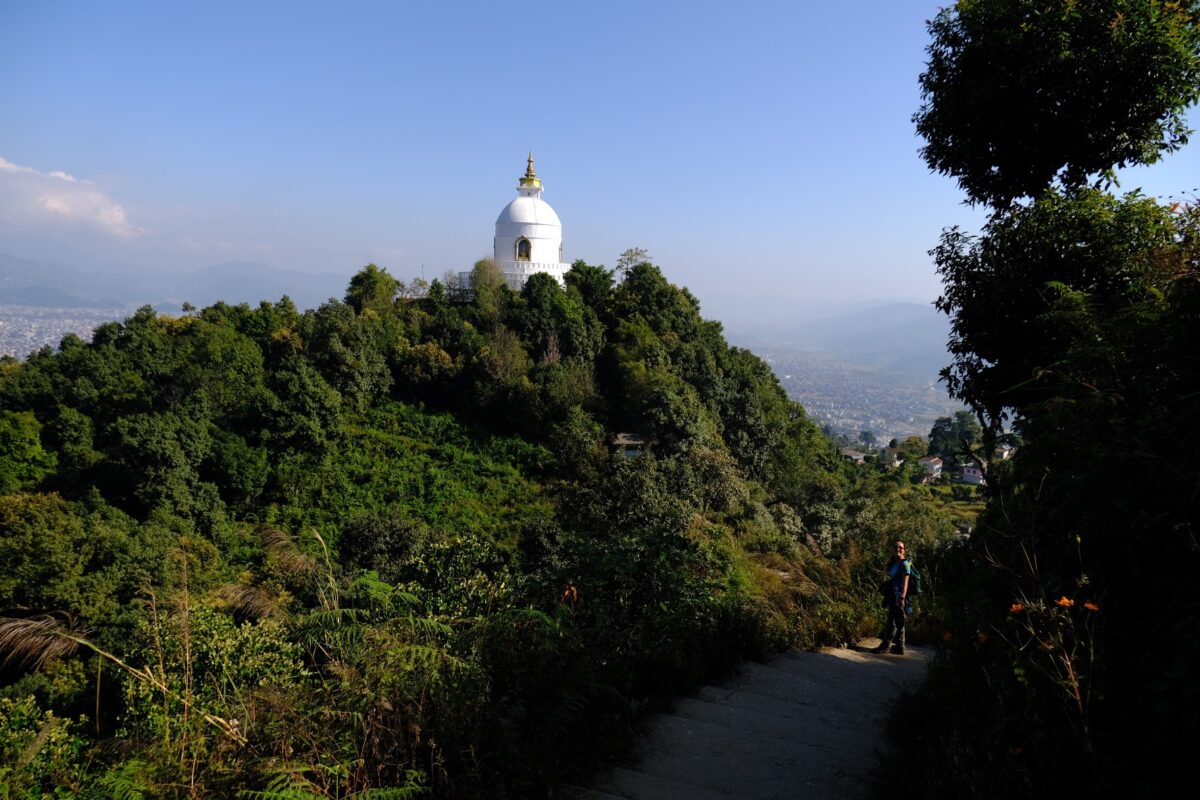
x,y
897,602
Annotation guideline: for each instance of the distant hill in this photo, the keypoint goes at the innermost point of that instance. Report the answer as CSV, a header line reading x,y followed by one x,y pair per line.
x,y
903,339
25,282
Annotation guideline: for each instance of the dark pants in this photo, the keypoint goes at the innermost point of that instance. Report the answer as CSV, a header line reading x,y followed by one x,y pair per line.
x,y
893,631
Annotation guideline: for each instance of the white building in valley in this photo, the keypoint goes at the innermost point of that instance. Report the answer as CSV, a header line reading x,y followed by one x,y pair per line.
x,y
528,236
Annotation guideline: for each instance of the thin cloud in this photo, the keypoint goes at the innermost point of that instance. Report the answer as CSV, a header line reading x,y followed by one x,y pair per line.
x,y
29,197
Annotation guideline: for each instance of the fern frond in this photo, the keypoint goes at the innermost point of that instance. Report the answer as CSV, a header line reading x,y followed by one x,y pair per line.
x,y
332,619
415,785
430,626
126,781
286,786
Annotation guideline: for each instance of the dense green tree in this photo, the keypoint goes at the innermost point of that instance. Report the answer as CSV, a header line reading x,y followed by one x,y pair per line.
x,y
491,292
1001,286
942,441
304,410
1070,312
577,441
561,386
350,351
592,284
154,463
753,409
73,436
719,485
388,544
56,555
371,288
954,436
1020,93
667,309
238,468
556,323
23,462
672,415
914,447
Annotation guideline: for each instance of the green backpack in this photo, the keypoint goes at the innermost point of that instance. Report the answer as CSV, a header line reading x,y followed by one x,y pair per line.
x,y
915,586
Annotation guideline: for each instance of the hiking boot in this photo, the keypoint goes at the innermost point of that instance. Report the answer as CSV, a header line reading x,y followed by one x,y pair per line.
x,y
898,649
881,649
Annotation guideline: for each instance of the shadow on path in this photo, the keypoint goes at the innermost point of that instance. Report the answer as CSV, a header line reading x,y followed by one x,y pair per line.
x,y
804,725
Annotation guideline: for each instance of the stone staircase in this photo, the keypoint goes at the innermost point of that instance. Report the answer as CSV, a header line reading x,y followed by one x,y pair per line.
x,y
803,726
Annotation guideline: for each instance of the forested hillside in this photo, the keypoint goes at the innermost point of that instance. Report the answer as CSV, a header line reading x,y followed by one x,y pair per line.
x,y
387,547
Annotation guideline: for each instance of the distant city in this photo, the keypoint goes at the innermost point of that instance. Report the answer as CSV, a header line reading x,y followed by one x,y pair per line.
x,y
27,329
875,369
851,398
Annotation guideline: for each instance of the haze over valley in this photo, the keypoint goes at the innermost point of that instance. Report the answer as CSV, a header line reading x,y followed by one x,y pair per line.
x,y
869,369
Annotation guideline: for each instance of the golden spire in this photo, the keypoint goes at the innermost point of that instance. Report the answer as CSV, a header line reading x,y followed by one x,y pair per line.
x,y
530,179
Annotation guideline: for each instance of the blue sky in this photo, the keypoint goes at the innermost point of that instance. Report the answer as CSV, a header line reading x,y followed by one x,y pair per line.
x,y
761,152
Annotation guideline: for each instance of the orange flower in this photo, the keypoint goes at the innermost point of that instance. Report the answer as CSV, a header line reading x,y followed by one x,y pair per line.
x,y
983,637
1016,608
1090,606
1065,602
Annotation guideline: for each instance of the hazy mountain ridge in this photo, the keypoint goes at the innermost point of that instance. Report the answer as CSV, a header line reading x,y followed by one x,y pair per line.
x,y
908,338
26,282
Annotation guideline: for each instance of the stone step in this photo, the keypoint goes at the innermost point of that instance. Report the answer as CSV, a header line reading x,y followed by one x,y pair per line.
x,y
804,726
794,686
633,784
570,792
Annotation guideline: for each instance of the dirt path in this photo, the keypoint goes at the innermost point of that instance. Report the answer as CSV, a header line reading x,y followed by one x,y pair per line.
x,y
804,726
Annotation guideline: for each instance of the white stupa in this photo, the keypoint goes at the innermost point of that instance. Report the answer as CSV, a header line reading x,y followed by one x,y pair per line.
x,y
528,235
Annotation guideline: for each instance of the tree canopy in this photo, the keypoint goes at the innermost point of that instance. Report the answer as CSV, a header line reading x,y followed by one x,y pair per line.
x,y
1073,321
1019,94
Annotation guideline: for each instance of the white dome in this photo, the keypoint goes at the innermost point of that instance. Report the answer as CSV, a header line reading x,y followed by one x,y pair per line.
x,y
528,235
528,211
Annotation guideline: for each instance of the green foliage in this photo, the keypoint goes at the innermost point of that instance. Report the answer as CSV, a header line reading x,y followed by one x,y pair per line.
x,y
1007,332
1073,319
41,756
591,284
371,288
23,462
915,447
204,664
56,555
385,548
1005,110
954,436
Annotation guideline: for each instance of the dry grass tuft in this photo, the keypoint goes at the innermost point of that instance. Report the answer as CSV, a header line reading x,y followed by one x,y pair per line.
x,y
285,555
30,642
252,600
